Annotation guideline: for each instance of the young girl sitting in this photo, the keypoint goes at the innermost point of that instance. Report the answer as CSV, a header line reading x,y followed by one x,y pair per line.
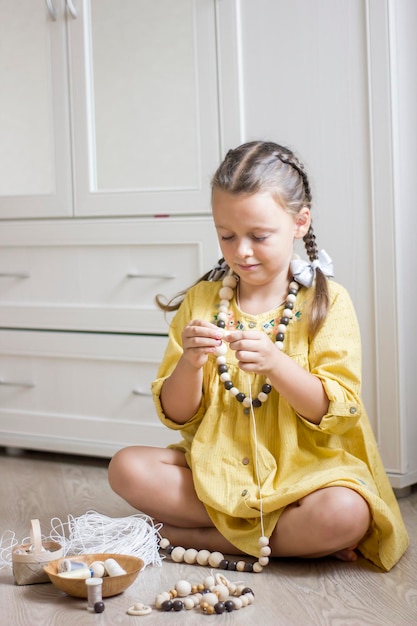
x,y
262,376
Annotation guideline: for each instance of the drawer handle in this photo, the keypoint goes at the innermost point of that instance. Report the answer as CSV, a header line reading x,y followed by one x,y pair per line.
x,y
14,275
72,9
139,275
139,392
15,383
51,9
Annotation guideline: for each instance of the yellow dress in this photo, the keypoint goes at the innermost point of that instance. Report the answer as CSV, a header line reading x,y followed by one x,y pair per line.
x,y
295,457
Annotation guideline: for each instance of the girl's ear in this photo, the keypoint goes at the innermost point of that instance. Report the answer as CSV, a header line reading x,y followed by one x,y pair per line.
x,y
302,223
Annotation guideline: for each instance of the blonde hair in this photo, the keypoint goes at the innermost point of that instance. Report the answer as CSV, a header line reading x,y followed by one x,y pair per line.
x,y
260,166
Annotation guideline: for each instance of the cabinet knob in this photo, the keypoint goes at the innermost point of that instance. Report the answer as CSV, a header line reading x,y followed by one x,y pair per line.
x,y
15,383
140,275
14,275
72,9
140,392
51,10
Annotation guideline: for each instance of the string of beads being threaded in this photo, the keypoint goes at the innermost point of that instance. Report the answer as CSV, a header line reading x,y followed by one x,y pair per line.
x,y
226,293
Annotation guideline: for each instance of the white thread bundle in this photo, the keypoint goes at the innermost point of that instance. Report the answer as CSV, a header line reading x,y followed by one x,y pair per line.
x,y
134,535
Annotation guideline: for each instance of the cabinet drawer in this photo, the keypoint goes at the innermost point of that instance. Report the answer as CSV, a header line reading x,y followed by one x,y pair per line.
x,y
100,276
79,393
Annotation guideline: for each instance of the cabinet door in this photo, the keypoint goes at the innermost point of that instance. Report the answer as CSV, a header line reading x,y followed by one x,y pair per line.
x,y
145,105
35,176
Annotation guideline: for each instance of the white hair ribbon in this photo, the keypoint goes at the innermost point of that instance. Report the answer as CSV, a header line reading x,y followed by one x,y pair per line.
x,y
305,272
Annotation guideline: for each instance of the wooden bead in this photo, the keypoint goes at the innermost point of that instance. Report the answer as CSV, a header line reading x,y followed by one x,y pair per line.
x,y
209,582
215,558
190,556
203,557
188,603
177,554
160,598
183,588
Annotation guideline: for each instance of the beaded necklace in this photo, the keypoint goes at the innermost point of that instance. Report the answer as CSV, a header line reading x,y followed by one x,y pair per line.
x,y
226,293
216,559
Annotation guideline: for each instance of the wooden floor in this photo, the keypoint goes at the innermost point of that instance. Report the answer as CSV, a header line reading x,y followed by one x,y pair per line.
x,y
288,592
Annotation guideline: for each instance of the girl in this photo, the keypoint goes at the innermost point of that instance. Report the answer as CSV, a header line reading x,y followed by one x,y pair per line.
x,y
276,442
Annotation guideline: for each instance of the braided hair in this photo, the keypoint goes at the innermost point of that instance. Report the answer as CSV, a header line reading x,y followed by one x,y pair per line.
x,y
260,166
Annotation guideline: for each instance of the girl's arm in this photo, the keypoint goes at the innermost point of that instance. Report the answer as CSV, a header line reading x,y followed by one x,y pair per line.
x,y
332,372
182,391
301,389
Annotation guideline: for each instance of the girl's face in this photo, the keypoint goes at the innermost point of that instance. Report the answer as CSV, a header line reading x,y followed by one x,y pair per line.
x,y
256,234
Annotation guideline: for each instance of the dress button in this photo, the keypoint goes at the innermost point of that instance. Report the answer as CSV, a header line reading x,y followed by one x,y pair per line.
x,y
245,461
244,492
252,324
352,410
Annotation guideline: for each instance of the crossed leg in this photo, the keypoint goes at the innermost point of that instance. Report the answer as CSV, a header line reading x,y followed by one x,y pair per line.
x,y
158,482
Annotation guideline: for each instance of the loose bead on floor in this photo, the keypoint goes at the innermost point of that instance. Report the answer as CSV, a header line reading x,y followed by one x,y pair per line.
x,y
216,595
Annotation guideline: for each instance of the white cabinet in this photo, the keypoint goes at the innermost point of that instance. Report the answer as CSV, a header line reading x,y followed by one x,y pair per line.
x,y
82,337
99,275
79,393
107,108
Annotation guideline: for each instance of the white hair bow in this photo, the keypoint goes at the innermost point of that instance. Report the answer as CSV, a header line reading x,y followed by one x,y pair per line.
x,y
305,272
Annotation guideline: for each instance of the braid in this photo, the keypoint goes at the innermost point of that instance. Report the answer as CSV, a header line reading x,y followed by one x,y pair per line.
x,y
320,302
290,159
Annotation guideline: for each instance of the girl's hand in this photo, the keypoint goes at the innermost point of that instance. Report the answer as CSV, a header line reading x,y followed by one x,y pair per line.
x,y
199,339
254,350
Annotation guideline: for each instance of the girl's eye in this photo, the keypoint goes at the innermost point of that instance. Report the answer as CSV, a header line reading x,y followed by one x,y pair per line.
x,y
259,238
228,238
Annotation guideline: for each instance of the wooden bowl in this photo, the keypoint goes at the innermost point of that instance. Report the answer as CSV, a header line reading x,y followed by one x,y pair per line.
x,y
112,585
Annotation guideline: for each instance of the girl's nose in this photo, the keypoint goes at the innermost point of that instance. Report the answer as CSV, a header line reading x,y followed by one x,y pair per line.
x,y
244,249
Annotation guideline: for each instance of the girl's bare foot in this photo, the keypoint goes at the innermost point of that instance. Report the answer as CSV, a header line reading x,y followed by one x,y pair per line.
x,y
347,554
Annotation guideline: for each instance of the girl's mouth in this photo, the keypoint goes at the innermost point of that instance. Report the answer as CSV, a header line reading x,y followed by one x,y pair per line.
x,y
247,268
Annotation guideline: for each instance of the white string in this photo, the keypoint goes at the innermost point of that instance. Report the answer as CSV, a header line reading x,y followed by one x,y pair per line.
x,y
91,533
252,412
8,541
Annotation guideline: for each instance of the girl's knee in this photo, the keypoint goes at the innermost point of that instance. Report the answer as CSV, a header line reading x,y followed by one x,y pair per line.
x,y
120,467
348,513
